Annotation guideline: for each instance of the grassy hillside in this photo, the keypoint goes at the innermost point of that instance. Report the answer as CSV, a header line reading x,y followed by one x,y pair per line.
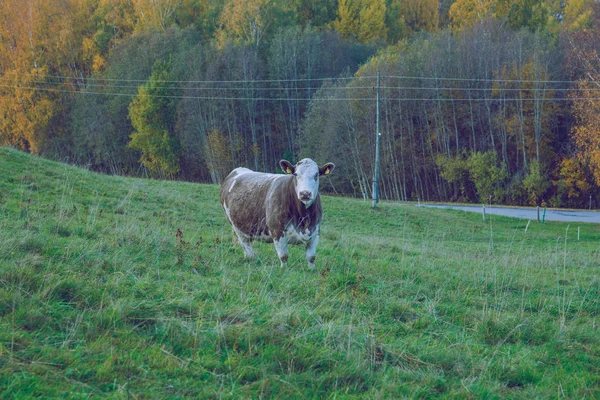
x,y
100,296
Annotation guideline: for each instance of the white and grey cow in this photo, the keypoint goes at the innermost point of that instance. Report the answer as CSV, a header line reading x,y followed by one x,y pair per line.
x,y
285,209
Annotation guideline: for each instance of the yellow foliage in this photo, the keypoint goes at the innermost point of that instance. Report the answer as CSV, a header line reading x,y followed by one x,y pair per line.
x,y
372,21
362,20
245,21
464,13
89,48
526,119
99,63
577,14
120,15
421,14
586,109
155,14
572,176
346,22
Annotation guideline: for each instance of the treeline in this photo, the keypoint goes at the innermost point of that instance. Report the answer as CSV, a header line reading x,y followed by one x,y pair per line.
x,y
190,110
481,100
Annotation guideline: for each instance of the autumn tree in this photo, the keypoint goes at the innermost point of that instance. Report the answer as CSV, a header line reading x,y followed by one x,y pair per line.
x,y
317,13
152,118
155,14
536,183
464,13
455,170
488,177
395,22
578,14
361,20
248,21
371,19
586,132
112,21
574,184
420,15
529,14
584,60
39,41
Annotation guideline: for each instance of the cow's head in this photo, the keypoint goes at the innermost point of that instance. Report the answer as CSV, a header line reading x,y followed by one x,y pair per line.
x,y
306,174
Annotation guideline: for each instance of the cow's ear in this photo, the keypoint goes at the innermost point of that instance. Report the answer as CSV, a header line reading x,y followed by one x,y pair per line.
x,y
287,167
326,169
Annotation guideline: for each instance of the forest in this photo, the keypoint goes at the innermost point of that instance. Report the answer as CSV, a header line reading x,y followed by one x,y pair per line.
x,y
490,101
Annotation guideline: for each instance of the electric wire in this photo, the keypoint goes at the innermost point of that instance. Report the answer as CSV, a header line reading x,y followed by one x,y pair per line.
x,y
312,88
357,77
316,98
111,87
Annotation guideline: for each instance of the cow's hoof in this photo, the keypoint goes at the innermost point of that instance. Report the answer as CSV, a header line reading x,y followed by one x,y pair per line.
x,y
283,259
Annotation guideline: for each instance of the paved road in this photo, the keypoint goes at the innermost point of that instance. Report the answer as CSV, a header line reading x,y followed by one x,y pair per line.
x,y
529,213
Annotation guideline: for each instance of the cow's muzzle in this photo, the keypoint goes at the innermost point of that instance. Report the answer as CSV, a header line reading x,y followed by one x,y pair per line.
x,y
305,195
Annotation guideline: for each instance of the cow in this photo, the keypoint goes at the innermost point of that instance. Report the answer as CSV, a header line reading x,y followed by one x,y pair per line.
x,y
283,209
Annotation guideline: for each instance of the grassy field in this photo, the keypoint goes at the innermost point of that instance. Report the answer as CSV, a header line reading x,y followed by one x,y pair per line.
x,y
131,288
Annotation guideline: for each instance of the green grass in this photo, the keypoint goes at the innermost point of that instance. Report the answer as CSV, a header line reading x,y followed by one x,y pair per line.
x,y
99,298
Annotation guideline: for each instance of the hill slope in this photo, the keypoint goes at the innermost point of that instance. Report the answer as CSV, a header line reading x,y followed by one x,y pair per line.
x,y
100,297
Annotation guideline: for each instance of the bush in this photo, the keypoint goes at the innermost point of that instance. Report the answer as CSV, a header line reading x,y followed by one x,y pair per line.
x,y
535,183
488,178
477,172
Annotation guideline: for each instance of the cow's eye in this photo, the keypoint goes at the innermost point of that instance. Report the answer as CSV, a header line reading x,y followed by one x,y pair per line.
x,y
316,176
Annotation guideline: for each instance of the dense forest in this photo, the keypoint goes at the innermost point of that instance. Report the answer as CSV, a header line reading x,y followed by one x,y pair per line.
x,y
481,100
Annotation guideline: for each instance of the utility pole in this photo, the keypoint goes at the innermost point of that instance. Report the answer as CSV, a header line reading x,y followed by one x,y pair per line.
x,y
378,137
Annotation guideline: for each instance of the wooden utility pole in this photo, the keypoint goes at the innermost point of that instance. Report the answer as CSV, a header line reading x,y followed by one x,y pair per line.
x,y
378,137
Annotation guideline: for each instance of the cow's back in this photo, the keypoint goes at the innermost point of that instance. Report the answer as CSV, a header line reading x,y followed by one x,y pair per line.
x,y
244,195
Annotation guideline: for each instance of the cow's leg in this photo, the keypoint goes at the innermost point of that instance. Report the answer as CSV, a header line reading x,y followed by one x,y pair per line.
x,y
311,251
281,245
245,242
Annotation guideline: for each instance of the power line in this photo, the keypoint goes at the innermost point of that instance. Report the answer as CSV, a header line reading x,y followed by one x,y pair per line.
x,y
136,87
342,88
188,97
481,79
280,80
203,81
504,99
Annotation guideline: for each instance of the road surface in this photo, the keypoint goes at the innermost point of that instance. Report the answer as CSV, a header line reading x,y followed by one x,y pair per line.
x,y
528,213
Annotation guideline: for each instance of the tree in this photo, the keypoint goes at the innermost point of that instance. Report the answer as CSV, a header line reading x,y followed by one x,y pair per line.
x,y
112,21
152,118
372,21
573,185
421,15
38,39
317,13
455,170
361,20
155,14
218,151
586,132
464,13
535,183
248,21
578,14
394,20
584,60
489,178
529,14
347,19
